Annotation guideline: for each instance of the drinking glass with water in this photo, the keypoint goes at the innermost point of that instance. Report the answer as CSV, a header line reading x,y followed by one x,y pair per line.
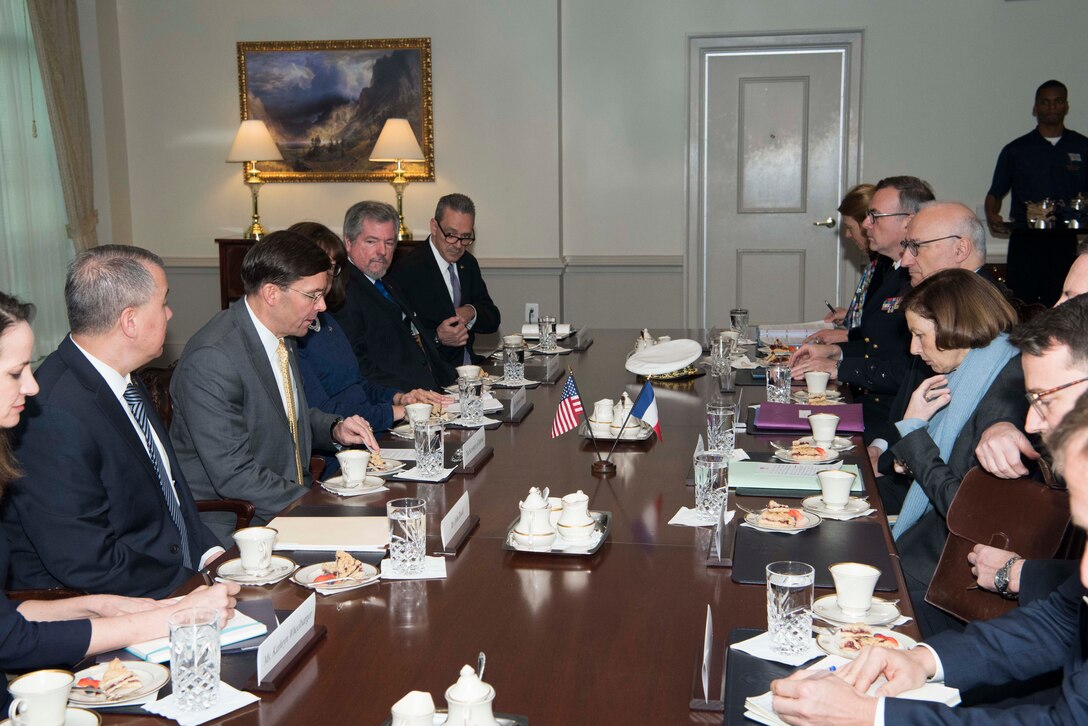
x,y
513,363
407,535
194,657
711,481
430,450
779,382
721,421
789,606
470,392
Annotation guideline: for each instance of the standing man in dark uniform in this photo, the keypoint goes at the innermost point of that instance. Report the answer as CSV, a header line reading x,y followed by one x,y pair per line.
x,y
1049,162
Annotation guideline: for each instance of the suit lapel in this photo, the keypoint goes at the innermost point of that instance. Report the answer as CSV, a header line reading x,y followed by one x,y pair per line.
x,y
439,280
258,358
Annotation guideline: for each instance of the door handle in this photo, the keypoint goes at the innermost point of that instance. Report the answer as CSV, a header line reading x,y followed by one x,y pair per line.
x,y
829,223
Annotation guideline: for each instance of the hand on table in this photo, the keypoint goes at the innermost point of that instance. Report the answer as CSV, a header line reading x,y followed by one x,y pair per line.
x,y
810,363
219,596
452,332
904,669
986,561
1000,449
355,430
827,337
819,698
928,398
422,395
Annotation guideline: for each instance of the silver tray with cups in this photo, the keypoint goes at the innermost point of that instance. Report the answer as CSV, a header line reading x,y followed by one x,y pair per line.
x,y
602,524
557,525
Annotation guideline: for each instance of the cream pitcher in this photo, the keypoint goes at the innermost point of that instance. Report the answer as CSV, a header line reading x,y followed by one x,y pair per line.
x,y
534,528
470,701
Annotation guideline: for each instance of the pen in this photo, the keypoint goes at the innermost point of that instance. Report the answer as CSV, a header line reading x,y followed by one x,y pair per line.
x,y
829,306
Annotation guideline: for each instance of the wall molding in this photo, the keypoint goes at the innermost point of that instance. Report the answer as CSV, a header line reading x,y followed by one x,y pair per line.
x,y
622,261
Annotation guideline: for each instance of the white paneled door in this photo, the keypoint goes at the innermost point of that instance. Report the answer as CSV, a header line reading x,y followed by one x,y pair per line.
x,y
773,147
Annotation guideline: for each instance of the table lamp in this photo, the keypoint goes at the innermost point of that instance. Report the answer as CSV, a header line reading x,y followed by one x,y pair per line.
x,y
253,143
397,142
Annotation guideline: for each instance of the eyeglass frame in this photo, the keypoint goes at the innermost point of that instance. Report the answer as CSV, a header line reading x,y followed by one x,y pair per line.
x,y
1035,399
465,241
315,297
874,215
913,245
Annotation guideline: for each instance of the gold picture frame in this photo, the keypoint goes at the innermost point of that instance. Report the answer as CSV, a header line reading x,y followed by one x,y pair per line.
x,y
325,102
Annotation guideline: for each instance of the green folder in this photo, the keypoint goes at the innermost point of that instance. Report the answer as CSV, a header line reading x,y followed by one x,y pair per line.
x,y
761,478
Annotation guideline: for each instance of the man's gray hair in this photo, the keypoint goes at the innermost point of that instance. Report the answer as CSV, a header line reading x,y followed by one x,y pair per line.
x,y
103,281
965,223
456,202
374,211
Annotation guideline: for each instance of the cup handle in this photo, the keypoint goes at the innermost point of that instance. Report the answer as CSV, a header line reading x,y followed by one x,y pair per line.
x,y
13,709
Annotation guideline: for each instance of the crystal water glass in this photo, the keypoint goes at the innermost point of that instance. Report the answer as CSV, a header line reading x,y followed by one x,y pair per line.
x,y
789,606
721,353
513,363
711,481
407,534
721,419
546,328
470,398
430,450
779,382
738,320
194,657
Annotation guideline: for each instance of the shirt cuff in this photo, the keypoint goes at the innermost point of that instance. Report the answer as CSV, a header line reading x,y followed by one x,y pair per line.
x,y
909,425
210,555
938,675
473,321
881,444
878,718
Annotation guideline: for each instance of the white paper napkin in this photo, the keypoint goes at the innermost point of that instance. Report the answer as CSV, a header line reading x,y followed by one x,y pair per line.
x,y
230,699
346,493
845,516
760,647
484,421
434,568
772,531
903,620
414,474
739,455
692,518
743,363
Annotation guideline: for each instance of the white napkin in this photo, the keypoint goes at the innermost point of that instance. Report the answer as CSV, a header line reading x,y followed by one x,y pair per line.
x,y
434,568
503,383
414,474
903,620
399,454
760,647
772,531
739,455
845,516
699,448
484,421
491,404
230,699
692,518
743,363
354,492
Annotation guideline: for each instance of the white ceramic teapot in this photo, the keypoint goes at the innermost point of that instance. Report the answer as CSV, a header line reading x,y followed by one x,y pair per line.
x,y
470,701
534,528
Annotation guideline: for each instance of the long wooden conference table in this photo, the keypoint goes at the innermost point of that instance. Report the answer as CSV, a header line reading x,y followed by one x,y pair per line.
x,y
607,639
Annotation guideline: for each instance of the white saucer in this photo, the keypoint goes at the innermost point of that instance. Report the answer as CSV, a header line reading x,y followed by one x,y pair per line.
x,y
854,506
803,396
812,520
72,717
839,444
392,466
881,613
829,643
280,568
335,484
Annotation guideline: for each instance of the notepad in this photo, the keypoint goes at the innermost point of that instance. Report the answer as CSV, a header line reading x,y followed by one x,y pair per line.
x,y
329,534
772,476
240,627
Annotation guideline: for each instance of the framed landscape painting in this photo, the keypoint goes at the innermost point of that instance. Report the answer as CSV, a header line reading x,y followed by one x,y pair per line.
x,y
325,102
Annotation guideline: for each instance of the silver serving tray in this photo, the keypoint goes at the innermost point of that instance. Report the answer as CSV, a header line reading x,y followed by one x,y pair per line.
x,y
441,715
644,433
602,519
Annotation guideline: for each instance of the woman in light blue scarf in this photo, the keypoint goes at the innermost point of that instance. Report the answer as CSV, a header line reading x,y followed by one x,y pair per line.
x,y
958,323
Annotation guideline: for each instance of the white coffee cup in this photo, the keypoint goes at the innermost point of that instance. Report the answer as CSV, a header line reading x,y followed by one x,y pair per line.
x,y
353,463
854,585
513,340
469,371
255,548
731,334
41,698
418,412
816,381
823,428
835,488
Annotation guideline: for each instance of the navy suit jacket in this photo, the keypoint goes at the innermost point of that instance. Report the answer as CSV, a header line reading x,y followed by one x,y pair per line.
x,y
89,513
423,283
1044,636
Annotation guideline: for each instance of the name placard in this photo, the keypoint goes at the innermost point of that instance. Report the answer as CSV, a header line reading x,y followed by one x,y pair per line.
x,y
552,365
473,447
282,639
517,401
454,519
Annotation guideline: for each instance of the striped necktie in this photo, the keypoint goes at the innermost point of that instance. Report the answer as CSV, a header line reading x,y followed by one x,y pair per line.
x,y
289,397
139,411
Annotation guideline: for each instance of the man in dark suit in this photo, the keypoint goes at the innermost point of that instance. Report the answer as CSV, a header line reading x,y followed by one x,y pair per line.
x,y
1046,635
442,282
104,505
242,426
389,340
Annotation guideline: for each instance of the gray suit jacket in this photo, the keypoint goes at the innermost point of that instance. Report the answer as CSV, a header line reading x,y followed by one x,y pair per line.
x,y
230,430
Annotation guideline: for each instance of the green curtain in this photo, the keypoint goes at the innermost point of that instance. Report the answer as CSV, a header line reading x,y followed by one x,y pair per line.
x,y
34,245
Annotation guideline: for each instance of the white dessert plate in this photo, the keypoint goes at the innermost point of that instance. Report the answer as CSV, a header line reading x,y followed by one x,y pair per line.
x,y
854,506
305,576
786,456
811,520
882,612
72,717
280,568
335,484
388,468
831,643
152,677
804,396
840,443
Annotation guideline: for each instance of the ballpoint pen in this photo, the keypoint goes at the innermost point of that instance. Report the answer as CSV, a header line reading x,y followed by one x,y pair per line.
x,y
829,307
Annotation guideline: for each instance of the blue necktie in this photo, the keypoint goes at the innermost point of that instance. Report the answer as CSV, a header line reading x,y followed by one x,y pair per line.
x,y
381,288
136,404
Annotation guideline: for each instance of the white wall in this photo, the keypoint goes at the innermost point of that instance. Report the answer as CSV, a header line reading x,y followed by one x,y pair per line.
x,y
565,120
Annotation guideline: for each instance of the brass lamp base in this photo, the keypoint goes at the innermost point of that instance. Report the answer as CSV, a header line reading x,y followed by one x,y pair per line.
x,y
255,231
399,182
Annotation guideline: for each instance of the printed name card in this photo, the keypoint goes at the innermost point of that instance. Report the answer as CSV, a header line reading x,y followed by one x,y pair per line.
x,y
454,519
473,447
553,365
280,642
708,644
517,401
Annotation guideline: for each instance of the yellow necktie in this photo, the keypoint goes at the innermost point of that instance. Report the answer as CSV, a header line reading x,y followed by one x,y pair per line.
x,y
289,395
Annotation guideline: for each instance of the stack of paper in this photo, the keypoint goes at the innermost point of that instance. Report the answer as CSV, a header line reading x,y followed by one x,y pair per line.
x,y
329,534
761,709
240,627
791,477
790,333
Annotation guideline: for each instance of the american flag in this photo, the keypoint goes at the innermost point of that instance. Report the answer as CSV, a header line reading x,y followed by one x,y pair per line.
x,y
570,408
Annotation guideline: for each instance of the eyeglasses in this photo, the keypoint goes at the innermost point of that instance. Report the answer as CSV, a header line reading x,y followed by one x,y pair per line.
x,y
874,216
451,238
914,245
315,297
335,271
1037,399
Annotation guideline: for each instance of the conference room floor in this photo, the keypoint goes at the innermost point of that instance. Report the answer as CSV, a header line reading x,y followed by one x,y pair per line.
x,y
611,638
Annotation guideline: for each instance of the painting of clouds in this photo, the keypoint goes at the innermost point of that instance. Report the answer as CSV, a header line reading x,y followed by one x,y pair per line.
x,y
325,103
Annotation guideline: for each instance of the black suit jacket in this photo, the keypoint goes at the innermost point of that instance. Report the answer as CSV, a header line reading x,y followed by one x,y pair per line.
x,y
920,546
423,284
382,340
89,512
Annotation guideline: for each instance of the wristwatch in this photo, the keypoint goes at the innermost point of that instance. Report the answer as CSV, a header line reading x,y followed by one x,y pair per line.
x,y
1001,579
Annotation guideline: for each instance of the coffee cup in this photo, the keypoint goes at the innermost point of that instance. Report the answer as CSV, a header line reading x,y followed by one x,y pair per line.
x,y
353,463
835,488
854,585
41,698
823,428
469,371
255,548
418,413
816,381
513,341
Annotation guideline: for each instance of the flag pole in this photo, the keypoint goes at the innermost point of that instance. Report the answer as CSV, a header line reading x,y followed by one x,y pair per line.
x,y
602,467
622,427
588,427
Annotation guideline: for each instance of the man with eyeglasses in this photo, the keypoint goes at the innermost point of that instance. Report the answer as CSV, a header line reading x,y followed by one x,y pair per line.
x,y
390,341
242,427
1050,162
443,283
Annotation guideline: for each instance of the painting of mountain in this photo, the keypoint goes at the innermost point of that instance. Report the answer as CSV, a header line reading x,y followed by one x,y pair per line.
x,y
325,103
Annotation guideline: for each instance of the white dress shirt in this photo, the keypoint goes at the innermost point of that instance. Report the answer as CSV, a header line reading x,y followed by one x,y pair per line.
x,y
444,267
271,343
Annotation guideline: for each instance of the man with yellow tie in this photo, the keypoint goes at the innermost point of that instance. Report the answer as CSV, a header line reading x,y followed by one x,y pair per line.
x,y
242,427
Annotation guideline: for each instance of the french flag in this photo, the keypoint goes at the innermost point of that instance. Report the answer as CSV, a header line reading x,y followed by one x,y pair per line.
x,y
645,408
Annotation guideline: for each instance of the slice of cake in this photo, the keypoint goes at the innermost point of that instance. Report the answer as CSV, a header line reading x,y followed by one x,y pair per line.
x,y
118,681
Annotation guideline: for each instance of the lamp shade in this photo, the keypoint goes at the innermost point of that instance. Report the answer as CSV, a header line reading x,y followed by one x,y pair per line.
x,y
396,142
253,142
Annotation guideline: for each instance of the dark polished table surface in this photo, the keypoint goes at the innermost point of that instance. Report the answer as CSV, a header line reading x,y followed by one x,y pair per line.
x,y
612,638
